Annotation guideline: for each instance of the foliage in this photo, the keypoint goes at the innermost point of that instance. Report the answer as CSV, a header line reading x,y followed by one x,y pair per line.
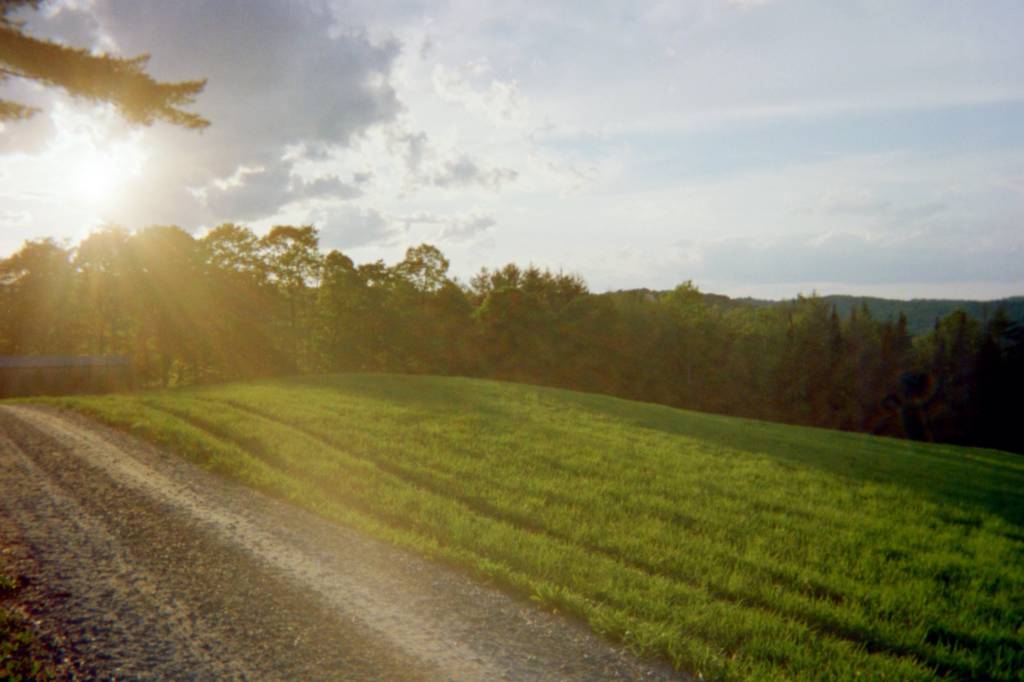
x,y
120,81
232,305
737,549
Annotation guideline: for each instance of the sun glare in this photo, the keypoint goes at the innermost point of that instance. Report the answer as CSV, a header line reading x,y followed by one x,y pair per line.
x,y
96,180
99,176
93,160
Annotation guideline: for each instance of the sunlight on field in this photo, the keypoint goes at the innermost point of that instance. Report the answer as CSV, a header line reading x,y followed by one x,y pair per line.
x,y
737,549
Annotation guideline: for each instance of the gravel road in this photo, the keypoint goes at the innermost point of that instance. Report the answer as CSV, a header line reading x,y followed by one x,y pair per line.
x,y
140,565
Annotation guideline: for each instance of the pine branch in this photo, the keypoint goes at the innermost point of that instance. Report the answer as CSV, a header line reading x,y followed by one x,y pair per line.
x,y
12,111
100,78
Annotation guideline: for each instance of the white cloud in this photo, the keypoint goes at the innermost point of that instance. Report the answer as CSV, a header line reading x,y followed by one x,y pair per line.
x,y
467,227
13,218
465,171
351,226
500,101
413,148
459,227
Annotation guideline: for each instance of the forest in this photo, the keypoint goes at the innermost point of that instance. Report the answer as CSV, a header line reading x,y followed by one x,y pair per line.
x,y
234,305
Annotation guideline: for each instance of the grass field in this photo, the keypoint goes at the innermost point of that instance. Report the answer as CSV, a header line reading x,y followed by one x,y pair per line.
x,y
736,549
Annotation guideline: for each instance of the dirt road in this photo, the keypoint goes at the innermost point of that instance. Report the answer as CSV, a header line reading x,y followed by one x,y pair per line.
x,y
140,565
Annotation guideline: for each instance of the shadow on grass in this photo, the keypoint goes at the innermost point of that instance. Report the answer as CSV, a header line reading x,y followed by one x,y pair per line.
x,y
985,479
989,480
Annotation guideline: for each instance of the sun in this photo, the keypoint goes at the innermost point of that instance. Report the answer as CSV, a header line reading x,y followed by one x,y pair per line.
x,y
99,175
95,180
91,159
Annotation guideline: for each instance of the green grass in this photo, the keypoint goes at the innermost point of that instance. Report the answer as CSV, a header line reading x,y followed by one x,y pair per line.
x,y
736,549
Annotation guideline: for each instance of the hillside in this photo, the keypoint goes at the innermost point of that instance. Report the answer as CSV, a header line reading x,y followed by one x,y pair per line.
x,y
736,549
921,312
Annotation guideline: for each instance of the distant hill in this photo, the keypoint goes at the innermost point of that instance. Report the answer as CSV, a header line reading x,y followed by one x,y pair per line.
x,y
921,312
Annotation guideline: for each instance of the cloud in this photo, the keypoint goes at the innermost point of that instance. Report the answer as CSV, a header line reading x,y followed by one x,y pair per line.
x,y
325,187
859,202
64,23
858,259
254,193
465,172
425,163
31,136
460,227
349,227
413,147
276,74
12,218
464,228
28,137
501,102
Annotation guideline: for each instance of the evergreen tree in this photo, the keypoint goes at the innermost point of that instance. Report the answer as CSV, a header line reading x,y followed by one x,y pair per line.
x,y
123,82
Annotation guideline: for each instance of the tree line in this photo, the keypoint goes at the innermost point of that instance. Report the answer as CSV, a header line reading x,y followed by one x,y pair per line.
x,y
234,305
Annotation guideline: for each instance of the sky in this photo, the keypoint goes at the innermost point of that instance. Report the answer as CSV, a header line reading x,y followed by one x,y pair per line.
x,y
756,147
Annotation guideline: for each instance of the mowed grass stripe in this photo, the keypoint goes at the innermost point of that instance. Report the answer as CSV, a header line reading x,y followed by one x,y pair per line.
x,y
725,500
859,515
604,490
454,481
653,527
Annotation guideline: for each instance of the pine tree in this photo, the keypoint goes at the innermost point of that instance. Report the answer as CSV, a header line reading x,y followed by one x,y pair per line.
x,y
122,82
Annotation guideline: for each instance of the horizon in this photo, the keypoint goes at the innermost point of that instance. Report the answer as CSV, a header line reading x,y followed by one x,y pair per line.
x,y
752,293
